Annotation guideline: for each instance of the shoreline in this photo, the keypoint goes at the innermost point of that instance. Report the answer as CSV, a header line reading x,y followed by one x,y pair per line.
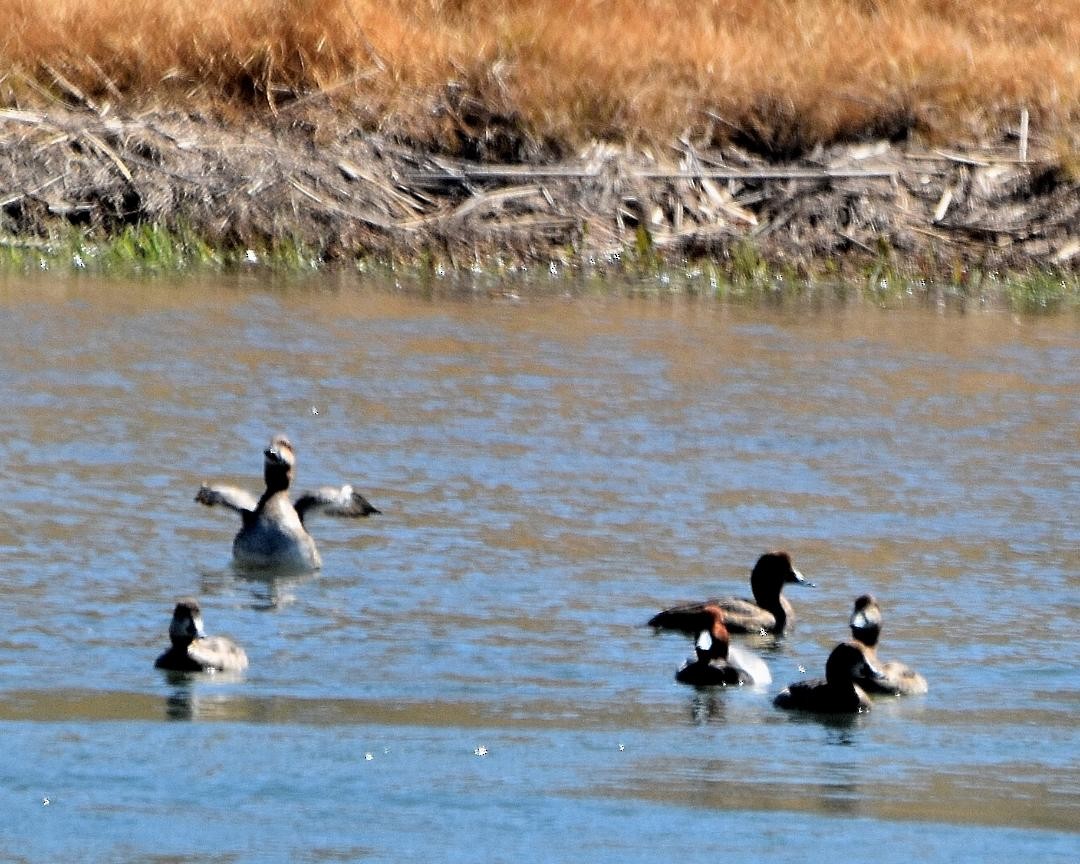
x,y
310,181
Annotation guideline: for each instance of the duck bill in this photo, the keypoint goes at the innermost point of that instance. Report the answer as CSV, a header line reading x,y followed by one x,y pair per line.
x,y
872,672
799,579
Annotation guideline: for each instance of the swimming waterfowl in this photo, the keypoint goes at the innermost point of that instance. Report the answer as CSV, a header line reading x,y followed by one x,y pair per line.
x,y
192,650
716,661
897,678
273,533
710,666
837,693
768,612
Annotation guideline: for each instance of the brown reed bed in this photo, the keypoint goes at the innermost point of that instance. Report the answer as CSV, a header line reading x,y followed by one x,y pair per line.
x,y
936,137
517,79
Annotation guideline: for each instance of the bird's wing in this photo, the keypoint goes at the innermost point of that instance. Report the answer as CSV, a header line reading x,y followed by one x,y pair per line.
x,y
231,497
334,502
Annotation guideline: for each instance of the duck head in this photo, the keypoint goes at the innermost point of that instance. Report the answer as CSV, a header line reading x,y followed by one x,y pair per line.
x,y
847,663
712,642
866,620
186,625
278,465
772,571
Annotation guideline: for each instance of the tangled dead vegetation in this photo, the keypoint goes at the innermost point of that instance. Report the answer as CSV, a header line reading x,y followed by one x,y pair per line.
x,y
316,180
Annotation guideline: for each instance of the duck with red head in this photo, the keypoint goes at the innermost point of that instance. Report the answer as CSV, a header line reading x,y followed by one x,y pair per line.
x,y
768,612
710,667
898,679
273,534
191,650
837,693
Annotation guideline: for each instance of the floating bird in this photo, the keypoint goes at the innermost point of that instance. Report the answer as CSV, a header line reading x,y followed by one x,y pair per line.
x,y
897,678
768,612
273,533
192,650
837,693
713,663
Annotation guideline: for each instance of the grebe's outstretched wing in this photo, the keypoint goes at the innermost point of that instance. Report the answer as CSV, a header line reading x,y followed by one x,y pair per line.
x,y
335,502
230,497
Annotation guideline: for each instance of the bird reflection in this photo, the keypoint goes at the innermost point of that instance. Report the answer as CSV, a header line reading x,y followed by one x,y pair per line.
x,y
186,702
840,729
180,703
706,707
270,590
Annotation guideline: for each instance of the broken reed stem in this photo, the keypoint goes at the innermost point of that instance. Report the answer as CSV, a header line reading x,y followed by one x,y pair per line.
x,y
1023,135
514,172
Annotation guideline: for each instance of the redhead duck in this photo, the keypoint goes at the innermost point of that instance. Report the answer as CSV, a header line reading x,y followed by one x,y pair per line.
x,y
768,612
192,650
710,666
837,693
897,678
273,533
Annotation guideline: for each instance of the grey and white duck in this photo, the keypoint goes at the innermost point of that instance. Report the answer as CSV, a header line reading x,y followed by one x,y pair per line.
x,y
273,534
897,679
191,650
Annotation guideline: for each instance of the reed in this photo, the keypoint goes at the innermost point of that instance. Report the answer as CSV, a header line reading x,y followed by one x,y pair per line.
x,y
780,76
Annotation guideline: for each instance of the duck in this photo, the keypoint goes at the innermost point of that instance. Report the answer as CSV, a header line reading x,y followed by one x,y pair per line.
x,y
711,666
898,679
273,533
192,650
837,692
717,662
768,612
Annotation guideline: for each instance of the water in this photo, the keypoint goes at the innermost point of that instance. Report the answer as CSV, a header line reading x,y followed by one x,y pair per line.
x,y
467,679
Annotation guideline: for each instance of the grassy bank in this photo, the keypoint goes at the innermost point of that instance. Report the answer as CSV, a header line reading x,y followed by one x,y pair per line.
x,y
508,79
745,276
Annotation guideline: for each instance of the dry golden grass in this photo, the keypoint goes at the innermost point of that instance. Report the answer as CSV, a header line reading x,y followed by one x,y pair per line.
x,y
781,75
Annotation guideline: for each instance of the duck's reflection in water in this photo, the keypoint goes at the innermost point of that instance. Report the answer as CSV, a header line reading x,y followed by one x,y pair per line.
x,y
192,697
708,705
271,589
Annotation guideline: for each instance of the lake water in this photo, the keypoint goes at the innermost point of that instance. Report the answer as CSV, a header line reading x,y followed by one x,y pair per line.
x,y
468,678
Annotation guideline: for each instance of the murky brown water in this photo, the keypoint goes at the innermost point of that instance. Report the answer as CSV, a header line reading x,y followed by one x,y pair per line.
x,y
552,471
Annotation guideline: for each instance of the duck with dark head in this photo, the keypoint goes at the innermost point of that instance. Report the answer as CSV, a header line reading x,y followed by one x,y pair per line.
x,y
191,650
837,692
897,678
768,612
